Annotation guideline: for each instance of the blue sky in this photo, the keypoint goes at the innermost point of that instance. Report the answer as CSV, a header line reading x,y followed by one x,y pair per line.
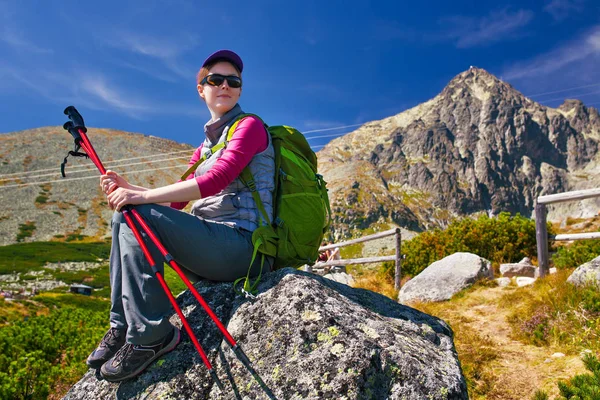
x,y
321,66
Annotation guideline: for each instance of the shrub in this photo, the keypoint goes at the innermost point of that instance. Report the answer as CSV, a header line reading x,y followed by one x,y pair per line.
x,y
576,254
502,239
35,353
583,386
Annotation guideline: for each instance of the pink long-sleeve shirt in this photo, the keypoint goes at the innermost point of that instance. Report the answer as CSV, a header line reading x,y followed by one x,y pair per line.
x,y
250,138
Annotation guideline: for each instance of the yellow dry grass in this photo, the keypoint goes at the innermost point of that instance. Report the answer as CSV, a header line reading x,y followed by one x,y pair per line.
x,y
496,365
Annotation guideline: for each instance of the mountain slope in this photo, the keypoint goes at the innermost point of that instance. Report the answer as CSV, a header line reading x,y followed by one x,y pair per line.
x,y
36,201
479,146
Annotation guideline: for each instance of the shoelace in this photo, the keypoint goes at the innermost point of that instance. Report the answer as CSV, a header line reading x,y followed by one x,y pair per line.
x,y
111,334
123,352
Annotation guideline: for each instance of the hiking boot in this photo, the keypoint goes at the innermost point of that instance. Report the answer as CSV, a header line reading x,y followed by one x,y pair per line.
x,y
112,341
132,359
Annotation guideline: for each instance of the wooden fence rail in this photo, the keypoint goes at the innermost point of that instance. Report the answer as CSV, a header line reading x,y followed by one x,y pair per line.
x,y
397,257
541,230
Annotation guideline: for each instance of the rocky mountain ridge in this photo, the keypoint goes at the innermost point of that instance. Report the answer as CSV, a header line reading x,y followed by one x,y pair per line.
x,y
479,146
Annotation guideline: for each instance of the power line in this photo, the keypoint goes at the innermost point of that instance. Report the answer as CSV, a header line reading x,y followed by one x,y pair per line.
x,y
325,136
84,177
563,90
577,95
92,168
88,169
332,129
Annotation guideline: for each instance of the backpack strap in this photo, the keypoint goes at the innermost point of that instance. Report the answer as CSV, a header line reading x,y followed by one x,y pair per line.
x,y
191,169
218,146
246,176
249,287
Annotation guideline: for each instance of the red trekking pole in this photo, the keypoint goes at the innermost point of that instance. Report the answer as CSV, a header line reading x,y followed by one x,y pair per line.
x,y
77,129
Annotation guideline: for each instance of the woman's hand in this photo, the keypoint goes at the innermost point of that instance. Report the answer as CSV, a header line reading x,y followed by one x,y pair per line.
x,y
120,197
111,181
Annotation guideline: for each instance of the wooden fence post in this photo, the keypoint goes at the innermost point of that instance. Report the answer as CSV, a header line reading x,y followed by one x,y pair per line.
x,y
541,238
398,260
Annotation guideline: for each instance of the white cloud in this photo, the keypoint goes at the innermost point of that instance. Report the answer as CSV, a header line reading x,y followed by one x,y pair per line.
x,y
579,57
132,104
168,51
497,26
18,42
97,87
11,33
560,9
92,90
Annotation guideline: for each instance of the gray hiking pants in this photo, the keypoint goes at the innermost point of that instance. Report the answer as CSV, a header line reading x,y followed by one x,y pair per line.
x,y
203,249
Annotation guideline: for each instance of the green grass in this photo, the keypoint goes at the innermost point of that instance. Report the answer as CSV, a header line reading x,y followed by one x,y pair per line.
x,y
60,300
96,278
25,257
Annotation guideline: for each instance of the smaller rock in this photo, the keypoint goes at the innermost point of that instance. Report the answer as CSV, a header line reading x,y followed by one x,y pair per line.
x,y
552,270
340,277
557,355
586,273
522,268
503,282
524,281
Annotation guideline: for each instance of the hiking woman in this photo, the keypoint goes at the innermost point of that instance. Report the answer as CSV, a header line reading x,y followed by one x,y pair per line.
x,y
214,242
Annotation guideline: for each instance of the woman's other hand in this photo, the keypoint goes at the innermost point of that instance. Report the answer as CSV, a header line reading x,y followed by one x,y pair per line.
x,y
111,181
121,197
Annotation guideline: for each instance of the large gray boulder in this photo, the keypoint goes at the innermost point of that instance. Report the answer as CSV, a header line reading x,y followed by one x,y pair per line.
x,y
446,277
308,338
586,273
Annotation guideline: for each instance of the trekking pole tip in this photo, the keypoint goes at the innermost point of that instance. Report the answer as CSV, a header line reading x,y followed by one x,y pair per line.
x,y
215,378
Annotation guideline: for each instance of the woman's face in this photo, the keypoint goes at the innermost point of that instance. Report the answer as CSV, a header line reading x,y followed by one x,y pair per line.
x,y
222,98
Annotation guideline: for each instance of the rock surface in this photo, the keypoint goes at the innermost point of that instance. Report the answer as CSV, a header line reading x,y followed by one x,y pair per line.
x,y
446,277
308,338
522,268
586,273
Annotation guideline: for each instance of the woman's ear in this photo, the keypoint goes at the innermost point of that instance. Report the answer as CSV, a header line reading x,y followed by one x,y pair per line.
x,y
201,91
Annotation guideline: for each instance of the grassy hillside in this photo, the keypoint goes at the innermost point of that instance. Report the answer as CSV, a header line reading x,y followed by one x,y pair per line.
x,y
33,366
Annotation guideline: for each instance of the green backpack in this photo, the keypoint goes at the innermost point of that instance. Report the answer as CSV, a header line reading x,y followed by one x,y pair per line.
x,y
300,203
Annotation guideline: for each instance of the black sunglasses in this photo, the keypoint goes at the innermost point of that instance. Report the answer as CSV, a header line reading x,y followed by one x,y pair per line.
x,y
218,79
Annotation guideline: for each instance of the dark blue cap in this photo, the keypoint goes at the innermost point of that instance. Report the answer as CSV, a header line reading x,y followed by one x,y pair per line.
x,y
225,55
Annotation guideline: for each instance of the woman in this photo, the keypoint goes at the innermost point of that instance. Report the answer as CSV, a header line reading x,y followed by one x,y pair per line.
x,y
214,242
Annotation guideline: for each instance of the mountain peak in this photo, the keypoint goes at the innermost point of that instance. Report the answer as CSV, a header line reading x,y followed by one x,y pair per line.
x,y
570,104
480,84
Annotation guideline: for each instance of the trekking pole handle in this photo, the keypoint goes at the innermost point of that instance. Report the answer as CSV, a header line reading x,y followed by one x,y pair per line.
x,y
69,126
77,119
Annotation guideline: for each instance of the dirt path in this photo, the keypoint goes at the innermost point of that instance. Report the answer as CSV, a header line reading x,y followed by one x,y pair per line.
x,y
520,369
